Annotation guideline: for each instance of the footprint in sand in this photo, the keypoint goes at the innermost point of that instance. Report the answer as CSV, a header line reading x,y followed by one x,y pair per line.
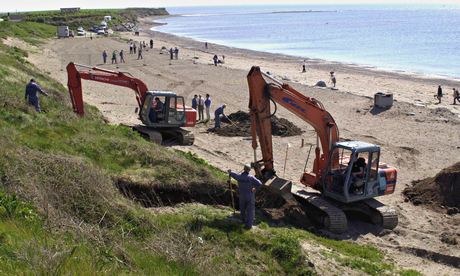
x,y
173,85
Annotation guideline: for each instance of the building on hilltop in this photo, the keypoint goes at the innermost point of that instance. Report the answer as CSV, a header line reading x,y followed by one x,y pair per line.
x,y
70,10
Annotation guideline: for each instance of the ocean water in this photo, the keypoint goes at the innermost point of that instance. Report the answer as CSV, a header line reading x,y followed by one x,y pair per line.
x,y
418,39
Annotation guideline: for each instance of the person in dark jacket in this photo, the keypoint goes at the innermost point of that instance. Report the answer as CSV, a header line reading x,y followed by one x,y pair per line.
x,y
439,95
104,56
247,186
32,90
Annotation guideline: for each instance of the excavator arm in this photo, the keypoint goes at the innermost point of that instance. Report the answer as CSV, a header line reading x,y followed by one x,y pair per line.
x,y
100,75
308,109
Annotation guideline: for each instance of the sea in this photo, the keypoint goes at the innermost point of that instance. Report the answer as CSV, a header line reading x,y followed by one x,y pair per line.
x,y
415,39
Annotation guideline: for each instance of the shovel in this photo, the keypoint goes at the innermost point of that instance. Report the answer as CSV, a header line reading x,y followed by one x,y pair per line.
x,y
231,192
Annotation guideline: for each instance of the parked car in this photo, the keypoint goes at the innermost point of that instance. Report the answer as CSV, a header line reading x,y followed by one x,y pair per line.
x,y
101,32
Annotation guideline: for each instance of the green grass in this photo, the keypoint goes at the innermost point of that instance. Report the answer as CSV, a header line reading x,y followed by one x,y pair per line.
x,y
30,32
89,17
61,214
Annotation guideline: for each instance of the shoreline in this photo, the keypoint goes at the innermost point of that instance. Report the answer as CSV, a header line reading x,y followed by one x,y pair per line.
x,y
382,69
356,79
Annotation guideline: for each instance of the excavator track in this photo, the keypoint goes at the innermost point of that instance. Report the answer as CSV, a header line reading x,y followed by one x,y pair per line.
x,y
185,137
332,218
159,135
382,215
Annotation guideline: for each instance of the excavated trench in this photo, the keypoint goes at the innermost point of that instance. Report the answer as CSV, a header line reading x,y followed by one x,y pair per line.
x,y
273,207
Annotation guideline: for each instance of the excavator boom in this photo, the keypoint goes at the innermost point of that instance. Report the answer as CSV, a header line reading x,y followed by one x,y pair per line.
x,y
306,108
348,173
158,123
100,75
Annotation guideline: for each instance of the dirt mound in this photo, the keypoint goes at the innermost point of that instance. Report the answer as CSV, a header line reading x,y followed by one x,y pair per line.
x,y
240,125
443,190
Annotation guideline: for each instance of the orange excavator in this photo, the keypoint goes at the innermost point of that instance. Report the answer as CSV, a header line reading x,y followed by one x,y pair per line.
x,y
163,113
346,175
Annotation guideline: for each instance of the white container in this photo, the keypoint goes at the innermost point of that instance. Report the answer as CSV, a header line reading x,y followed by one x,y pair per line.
x,y
63,31
383,100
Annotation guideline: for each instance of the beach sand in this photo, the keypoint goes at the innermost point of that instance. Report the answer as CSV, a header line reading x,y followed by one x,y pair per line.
x,y
416,135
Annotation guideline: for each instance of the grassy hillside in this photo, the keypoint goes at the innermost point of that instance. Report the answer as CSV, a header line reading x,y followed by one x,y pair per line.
x,y
87,18
61,212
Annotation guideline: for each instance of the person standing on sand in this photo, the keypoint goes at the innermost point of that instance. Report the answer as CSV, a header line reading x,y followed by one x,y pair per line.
x,y
207,105
134,47
122,56
206,45
104,56
200,108
151,43
247,186
114,57
176,53
333,79
195,102
215,59
439,95
171,53
130,48
139,53
455,95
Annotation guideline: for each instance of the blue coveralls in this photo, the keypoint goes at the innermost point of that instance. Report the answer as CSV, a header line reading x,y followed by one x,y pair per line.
x,y
219,111
31,95
247,197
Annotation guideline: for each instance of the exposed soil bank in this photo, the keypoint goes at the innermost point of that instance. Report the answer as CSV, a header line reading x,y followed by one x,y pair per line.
x,y
272,206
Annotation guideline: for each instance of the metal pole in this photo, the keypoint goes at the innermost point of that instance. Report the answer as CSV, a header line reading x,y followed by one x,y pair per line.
x,y
308,157
231,193
285,159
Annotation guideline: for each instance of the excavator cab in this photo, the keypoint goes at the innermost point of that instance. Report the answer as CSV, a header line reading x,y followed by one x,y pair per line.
x,y
354,173
163,109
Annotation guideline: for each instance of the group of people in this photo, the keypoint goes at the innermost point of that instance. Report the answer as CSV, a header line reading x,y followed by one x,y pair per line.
x,y
133,49
120,54
201,104
216,60
455,95
174,53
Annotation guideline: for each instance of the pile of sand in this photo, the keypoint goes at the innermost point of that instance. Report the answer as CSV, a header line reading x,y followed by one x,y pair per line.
x,y
240,125
441,191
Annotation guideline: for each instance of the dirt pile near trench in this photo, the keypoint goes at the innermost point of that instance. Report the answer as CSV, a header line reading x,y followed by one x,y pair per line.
x,y
277,210
441,192
242,126
273,206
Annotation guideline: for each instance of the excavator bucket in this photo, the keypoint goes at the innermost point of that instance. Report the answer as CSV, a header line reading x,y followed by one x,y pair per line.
x,y
280,187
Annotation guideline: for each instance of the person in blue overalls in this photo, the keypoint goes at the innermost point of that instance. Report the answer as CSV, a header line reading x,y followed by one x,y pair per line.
x,y
32,90
247,185
219,112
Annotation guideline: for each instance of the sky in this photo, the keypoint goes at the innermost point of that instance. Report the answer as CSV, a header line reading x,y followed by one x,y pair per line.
x,y
21,5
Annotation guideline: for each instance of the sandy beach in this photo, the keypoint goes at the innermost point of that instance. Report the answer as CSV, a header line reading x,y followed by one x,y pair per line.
x,y
416,135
